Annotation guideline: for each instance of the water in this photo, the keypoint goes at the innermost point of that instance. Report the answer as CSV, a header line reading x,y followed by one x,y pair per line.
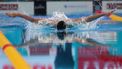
x,y
35,43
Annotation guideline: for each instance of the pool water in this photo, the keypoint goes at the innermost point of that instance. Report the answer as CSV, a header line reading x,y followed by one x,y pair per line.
x,y
45,43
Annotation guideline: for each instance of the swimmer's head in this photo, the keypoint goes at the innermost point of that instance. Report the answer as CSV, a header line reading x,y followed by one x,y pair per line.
x,y
61,25
61,33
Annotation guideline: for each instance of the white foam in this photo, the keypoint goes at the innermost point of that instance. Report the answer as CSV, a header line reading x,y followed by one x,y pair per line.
x,y
58,16
32,31
90,25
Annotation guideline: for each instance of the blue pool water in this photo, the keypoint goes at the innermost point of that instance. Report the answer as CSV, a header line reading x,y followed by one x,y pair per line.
x,y
108,34
16,28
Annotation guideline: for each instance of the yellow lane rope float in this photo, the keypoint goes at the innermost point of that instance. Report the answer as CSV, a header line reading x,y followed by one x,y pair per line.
x,y
12,54
115,17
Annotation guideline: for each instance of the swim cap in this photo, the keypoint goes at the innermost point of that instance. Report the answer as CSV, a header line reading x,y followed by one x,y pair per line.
x,y
61,25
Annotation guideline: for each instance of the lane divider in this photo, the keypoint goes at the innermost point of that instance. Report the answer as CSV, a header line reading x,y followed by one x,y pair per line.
x,y
12,54
116,17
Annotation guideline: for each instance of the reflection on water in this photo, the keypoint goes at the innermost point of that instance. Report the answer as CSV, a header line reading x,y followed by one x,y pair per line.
x,y
65,46
90,38
56,37
64,58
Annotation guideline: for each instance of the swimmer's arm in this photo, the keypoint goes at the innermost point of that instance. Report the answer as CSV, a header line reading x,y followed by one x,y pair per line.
x,y
87,19
29,18
32,19
93,17
76,20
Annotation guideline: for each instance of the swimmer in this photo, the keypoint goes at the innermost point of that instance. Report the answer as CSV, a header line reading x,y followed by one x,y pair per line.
x,y
57,19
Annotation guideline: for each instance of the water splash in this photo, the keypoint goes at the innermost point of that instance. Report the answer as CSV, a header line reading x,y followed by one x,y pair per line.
x,y
35,30
32,30
58,16
90,25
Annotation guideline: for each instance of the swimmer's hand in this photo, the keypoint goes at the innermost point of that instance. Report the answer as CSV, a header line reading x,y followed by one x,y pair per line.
x,y
17,14
13,14
108,13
